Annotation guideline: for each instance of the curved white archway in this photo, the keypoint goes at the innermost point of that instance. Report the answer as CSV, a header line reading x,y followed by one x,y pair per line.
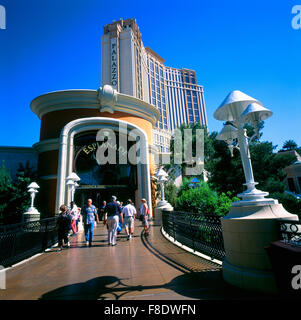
x,y
65,161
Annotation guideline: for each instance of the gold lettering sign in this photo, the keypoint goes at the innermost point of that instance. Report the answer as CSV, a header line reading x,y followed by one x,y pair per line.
x,y
94,146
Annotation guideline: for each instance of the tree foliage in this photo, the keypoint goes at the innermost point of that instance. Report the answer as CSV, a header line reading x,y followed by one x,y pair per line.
x,y
289,202
170,190
226,172
289,145
14,198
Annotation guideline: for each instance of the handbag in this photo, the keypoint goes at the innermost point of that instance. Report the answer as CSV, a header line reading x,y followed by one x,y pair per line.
x,y
119,228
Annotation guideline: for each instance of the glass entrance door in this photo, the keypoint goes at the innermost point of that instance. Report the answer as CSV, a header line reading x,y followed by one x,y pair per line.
x,y
104,194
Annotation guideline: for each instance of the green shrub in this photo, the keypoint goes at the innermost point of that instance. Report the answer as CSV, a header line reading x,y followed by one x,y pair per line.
x,y
224,203
203,200
184,186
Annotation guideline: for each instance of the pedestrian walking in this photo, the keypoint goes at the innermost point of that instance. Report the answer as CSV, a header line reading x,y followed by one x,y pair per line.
x,y
74,216
119,227
144,212
77,219
63,226
129,214
112,212
102,210
89,214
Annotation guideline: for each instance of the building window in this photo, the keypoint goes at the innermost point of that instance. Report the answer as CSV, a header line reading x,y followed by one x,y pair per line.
x,y
186,77
192,78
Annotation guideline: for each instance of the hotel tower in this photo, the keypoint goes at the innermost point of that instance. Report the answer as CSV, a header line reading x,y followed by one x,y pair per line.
x,y
138,71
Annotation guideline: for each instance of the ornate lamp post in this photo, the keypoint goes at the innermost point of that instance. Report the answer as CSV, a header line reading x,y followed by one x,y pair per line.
x,y
162,178
32,214
72,184
251,224
239,109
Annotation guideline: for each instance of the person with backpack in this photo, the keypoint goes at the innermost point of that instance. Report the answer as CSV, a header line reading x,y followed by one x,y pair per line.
x,y
144,212
63,225
112,213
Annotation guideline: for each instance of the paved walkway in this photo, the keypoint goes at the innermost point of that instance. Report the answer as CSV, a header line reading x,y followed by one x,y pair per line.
x,y
151,268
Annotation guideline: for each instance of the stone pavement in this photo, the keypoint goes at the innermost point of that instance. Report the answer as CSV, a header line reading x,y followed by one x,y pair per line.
x,y
140,269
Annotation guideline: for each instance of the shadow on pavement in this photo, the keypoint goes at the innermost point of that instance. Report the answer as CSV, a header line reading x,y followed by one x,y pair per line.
x,y
196,285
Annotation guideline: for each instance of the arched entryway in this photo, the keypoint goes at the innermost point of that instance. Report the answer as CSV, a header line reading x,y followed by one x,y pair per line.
x,y
67,156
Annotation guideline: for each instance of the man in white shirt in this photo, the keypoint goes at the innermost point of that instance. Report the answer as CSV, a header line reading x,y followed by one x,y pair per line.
x,y
129,213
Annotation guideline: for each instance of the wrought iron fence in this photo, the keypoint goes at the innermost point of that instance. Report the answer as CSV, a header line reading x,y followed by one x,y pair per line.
x,y
22,240
201,233
290,231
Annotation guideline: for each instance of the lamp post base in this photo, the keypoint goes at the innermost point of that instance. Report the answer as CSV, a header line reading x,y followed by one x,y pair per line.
x,y
249,279
253,196
247,230
32,214
162,203
247,203
158,212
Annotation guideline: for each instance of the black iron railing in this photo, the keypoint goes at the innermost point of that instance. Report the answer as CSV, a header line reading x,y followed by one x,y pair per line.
x,y
201,233
22,240
290,231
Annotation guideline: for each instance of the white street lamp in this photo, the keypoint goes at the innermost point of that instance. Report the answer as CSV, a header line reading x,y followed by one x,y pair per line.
x,y
33,185
239,109
73,176
73,190
161,179
32,213
228,134
72,184
32,192
251,223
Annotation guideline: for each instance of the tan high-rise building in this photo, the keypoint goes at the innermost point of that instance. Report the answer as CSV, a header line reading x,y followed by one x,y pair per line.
x,y
136,70
124,60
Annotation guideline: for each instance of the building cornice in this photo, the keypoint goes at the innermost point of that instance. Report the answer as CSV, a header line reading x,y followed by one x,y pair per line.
x,y
105,99
13,149
47,145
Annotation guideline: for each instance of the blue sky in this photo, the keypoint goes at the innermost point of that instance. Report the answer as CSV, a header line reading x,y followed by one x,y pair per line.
x,y
247,45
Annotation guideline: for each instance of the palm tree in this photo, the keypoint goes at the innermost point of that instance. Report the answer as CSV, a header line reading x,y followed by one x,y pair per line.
x,y
289,145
